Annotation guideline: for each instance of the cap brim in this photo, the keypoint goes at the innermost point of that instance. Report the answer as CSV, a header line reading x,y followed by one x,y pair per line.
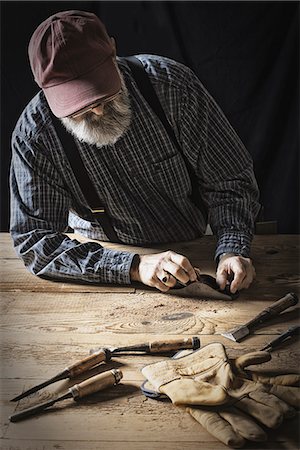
x,y
67,98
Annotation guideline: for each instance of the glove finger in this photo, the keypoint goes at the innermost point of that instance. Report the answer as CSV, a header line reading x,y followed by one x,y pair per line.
x,y
284,380
217,427
192,392
263,413
274,402
243,425
250,359
289,394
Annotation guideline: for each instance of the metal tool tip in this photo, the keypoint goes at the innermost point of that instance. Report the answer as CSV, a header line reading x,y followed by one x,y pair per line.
x,y
228,336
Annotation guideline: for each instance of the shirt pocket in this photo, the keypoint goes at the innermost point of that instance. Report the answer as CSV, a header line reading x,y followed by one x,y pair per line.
x,y
171,176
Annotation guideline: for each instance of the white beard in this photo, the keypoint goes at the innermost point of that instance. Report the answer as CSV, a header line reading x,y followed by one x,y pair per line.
x,y
106,129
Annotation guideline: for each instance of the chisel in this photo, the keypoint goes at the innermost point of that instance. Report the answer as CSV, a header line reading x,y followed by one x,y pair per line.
x,y
239,333
293,331
155,346
87,387
70,372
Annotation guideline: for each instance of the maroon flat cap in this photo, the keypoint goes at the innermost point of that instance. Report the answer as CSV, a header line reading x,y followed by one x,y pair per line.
x,y
72,59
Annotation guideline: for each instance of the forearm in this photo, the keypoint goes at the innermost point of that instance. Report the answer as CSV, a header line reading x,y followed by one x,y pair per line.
x,y
232,217
40,206
54,255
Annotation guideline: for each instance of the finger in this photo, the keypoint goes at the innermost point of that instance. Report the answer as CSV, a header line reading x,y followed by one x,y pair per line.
x,y
177,271
221,277
217,427
247,280
239,274
249,274
158,284
243,424
167,279
185,264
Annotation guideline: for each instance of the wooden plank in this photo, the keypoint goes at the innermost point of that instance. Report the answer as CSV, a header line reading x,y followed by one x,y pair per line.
x,y
15,444
15,278
43,328
137,314
118,418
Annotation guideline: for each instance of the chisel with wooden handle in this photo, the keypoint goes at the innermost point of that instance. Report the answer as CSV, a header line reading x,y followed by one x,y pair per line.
x,y
87,387
102,355
162,346
292,331
239,333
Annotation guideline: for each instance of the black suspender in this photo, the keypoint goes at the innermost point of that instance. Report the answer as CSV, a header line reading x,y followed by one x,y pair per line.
x,y
147,90
96,205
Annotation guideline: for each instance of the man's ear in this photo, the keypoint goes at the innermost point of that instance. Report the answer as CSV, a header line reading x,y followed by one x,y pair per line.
x,y
114,46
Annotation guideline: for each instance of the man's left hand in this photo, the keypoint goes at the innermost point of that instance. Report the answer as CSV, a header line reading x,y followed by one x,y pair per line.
x,y
236,268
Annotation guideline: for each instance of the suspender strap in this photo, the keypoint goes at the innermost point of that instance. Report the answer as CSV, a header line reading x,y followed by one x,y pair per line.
x,y
97,206
147,90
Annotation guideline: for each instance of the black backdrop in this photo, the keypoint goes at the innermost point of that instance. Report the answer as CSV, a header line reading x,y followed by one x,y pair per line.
x,y
245,53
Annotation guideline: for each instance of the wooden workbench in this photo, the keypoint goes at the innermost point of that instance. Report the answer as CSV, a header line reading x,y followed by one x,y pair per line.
x,y
46,325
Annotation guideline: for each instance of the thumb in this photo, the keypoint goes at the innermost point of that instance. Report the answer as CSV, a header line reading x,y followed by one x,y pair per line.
x,y
250,359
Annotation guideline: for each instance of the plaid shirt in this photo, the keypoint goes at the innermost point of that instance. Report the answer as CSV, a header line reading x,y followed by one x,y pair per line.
x,y
142,180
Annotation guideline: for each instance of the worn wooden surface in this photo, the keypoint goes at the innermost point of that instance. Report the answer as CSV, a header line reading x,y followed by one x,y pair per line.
x,y
47,325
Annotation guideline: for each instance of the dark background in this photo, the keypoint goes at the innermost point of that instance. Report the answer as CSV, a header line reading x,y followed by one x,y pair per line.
x,y
245,53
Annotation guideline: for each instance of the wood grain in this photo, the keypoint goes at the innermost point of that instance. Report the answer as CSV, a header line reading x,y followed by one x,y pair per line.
x,y
48,325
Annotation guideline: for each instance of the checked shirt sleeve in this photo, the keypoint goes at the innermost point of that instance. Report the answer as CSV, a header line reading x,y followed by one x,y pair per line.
x,y
224,168
39,219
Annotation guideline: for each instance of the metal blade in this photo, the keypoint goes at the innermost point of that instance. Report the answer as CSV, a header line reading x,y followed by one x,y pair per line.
x,y
282,338
60,376
38,408
237,334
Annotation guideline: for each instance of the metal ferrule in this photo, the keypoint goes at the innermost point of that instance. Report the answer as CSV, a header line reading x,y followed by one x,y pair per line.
x,y
195,342
117,374
107,353
74,391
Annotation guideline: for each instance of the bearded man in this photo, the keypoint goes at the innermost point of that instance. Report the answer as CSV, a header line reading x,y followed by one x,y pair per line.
x,y
131,162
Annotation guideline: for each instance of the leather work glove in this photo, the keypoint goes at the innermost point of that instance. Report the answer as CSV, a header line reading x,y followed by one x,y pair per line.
x,y
222,396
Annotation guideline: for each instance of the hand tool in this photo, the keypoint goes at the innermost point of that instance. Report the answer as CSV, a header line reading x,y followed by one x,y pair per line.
x,y
238,333
155,346
209,281
87,387
292,331
70,372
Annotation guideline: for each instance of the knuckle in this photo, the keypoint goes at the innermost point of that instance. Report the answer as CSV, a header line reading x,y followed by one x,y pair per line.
x,y
239,272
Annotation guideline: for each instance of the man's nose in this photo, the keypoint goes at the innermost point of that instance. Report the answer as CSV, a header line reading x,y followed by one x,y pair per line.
x,y
99,110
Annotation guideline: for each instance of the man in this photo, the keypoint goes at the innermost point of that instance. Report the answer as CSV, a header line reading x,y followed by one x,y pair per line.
x,y
135,168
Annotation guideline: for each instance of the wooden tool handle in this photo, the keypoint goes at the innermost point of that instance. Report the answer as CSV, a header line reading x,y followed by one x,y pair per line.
x,y
87,363
280,305
283,303
96,383
173,344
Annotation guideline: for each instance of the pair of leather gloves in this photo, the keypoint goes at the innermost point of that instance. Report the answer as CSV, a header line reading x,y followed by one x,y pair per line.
x,y
225,398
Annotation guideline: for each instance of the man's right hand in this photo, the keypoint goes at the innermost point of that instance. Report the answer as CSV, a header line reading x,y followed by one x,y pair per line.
x,y
168,266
